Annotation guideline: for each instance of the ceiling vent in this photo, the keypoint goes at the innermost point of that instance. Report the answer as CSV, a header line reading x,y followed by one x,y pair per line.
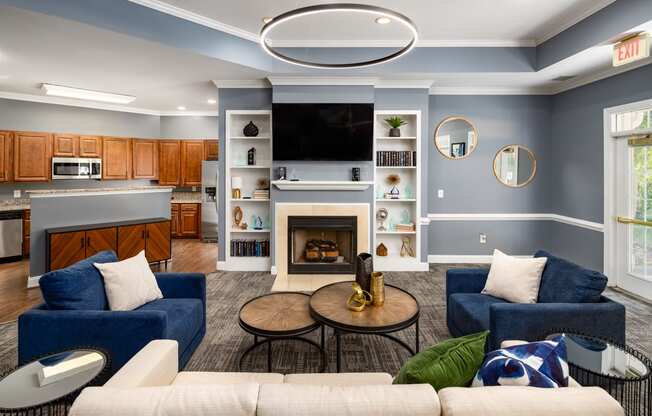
x,y
564,78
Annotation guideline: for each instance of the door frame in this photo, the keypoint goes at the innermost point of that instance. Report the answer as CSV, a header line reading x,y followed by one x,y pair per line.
x,y
610,186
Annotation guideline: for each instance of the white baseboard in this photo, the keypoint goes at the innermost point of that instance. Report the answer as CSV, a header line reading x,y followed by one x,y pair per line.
x,y
221,265
32,281
463,259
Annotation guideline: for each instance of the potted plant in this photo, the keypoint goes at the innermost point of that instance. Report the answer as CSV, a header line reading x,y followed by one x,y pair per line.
x,y
395,123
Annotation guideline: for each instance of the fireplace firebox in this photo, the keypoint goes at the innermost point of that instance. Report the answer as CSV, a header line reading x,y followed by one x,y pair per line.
x,y
322,245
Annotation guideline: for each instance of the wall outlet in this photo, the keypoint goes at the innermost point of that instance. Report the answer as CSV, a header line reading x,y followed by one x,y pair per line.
x,y
440,193
194,189
17,193
483,238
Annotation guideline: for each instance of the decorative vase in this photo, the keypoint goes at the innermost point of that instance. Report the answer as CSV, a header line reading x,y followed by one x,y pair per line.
x,y
364,266
395,132
377,289
250,130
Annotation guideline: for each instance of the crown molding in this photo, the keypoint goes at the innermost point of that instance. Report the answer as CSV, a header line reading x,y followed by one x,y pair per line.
x,y
599,5
100,106
294,80
242,83
436,90
197,18
589,79
404,83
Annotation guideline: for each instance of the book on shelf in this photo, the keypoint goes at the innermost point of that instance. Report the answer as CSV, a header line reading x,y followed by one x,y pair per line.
x,y
250,248
405,227
396,158
261,194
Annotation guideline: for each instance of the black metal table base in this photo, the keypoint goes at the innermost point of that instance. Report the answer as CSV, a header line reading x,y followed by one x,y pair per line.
x,y
270,339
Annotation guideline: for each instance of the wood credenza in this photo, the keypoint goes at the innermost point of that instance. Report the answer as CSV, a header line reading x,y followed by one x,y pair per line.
x,y
68,245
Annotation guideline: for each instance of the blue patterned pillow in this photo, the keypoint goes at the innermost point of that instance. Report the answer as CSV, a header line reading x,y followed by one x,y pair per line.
x,y
537,364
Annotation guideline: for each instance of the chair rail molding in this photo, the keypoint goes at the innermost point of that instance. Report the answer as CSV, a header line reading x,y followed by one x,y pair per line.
x,y
589,225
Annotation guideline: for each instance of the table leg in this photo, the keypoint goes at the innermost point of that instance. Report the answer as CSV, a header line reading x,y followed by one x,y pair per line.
x,y
255,339
417,337
323,336
269,355
338,349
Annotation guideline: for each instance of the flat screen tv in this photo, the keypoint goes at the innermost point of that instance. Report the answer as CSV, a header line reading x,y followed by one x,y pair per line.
x,y
323,131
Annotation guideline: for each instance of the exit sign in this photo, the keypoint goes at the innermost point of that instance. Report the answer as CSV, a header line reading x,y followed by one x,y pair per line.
x,y
631,50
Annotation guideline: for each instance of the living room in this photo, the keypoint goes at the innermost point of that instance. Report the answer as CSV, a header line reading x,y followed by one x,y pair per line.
x,y
239,209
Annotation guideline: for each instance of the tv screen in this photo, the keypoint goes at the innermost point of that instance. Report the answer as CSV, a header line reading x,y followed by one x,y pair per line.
x,y
323,131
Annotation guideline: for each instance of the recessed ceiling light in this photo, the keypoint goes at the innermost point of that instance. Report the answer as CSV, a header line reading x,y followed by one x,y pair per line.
x,y
267,19
383,20
211,101
181,108
82,94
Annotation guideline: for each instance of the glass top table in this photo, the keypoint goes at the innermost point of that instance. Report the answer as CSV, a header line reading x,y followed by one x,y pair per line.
x,y
51,382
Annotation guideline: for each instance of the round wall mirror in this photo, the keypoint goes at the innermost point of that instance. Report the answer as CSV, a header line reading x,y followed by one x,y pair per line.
x,y
515,165
456,137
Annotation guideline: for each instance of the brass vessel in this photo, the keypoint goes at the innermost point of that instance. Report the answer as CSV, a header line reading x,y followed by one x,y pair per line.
x,y
377,288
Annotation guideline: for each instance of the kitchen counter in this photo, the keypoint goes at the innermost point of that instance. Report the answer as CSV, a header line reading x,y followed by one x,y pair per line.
x,y
47,193
186,198
14,205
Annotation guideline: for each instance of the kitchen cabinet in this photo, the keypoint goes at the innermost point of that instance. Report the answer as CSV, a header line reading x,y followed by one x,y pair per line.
x,y
169,162
27,229
6,147
192,154
174,220
32,156
211,150
65,145
186,220
69,245
144,159
116,159
90,146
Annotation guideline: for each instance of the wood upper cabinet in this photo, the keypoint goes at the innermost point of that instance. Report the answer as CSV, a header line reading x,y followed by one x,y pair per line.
x,y
192,154
169,162
145,159
116,160
101,239
131,240
65,145
67,249
211,150
6,148
32,156
90,146
158,246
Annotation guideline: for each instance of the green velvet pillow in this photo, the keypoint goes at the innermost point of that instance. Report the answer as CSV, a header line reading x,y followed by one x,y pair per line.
x,y
452,363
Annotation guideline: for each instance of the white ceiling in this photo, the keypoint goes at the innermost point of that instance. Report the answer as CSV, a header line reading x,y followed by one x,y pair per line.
x,y
481,22
36,48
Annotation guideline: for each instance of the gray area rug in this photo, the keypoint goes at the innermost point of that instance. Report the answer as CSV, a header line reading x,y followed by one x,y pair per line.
x,y
225,340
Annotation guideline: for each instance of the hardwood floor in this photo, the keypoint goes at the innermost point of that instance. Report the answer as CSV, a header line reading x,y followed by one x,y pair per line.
x,y
15,298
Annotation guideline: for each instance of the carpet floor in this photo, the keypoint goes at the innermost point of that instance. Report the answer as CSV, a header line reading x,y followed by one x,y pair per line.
x,y
225,340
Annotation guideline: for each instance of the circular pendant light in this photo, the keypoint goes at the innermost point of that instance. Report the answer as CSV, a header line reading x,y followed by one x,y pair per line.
x,y
380,12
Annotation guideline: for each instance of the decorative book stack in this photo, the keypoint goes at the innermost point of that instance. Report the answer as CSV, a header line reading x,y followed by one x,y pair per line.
x,y
405,227
261,194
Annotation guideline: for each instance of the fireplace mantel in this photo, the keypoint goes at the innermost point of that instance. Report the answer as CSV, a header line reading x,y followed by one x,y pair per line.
x,y
322,185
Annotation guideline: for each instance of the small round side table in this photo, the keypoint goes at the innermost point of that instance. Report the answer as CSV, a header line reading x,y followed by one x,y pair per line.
x,y
621,370
279,316
50,384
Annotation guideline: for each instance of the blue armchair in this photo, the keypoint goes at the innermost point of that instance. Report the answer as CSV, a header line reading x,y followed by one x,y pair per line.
x,y
76,315
569,298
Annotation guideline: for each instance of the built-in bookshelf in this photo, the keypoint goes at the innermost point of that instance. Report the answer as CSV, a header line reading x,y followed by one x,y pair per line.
x,y
397,156
248,249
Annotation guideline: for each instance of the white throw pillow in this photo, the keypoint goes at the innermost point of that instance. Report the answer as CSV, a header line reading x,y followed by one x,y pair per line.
x,y
130,283
513,279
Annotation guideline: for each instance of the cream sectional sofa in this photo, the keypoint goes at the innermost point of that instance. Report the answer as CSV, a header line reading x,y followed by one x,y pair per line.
x,y
150,384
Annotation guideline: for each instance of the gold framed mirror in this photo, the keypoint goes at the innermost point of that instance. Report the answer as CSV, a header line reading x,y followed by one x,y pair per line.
x,y
515,166
456,137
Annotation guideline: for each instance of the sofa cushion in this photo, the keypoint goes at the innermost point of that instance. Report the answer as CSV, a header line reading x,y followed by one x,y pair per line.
x,y
302,400
232,400
470,311
514,279
77,287
451,363
530,401
339,379
566,282
185,318
196,378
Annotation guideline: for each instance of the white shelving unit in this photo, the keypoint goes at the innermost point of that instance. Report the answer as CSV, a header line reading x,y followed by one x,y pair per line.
x,y
408,206
236,148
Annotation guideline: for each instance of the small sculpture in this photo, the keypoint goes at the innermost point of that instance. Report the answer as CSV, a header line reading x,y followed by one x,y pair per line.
x,y
258,223
251,157
394,192
381,250
250,130
359,299
406,248
381,216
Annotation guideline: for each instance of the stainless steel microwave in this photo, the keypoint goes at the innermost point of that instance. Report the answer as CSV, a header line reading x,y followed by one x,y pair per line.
x,y
76,168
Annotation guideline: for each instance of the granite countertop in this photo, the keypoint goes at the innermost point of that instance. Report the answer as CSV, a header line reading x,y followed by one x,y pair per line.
x,y
14,205
92,190
186,198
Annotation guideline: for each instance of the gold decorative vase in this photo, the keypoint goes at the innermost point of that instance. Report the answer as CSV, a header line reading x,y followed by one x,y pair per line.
x,y
377,288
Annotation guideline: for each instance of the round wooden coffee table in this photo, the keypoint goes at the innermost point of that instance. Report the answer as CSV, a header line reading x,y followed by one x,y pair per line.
x,y
400,311
279,316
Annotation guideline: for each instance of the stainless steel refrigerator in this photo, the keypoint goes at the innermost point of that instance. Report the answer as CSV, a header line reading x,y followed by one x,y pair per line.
x,y
209,216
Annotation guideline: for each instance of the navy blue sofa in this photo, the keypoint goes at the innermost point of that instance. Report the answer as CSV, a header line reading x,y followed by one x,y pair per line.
x,y
570,298
76,314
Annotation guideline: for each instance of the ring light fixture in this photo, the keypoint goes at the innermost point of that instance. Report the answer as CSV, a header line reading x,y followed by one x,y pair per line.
x,y
334,8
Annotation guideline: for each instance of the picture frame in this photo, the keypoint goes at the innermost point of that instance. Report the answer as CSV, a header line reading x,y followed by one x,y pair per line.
x,y
458,149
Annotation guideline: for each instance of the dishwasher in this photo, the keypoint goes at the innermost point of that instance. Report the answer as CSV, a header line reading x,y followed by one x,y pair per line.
x,y
11,234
